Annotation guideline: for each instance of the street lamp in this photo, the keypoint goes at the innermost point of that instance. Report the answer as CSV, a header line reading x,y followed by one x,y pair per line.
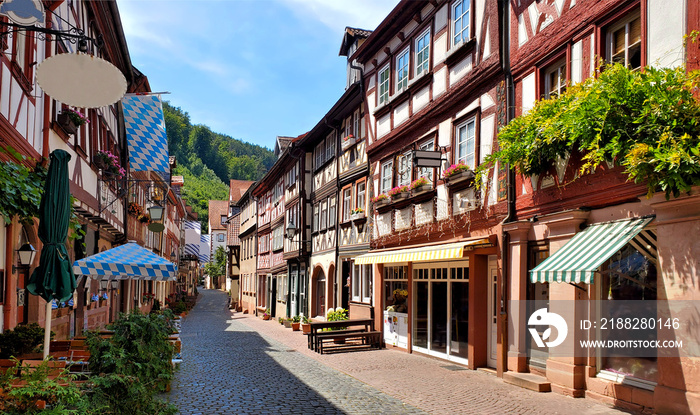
x,y
103,285
291,230
26,254
173,257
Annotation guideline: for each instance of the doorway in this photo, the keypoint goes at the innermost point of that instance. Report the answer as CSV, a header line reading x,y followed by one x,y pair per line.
x,y
493,312
320,302
441,310
294,302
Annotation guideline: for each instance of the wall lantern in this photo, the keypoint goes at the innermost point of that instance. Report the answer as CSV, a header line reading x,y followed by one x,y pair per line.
x,y
26,255
156,212
103,285
291,230
114,284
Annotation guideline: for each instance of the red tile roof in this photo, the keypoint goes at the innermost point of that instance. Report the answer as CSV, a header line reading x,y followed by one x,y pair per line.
x,y
238,189
217,209
234,229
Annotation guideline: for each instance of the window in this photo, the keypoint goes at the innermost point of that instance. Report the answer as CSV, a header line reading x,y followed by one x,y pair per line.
x,y
261,290
320,154
316,217
324,214
555,80
625,43
292,175
460,22
466,143
332,211
395,285
220,237
223,219
383,83
347,203
427,172
278,238
282,287
423,53
402,70
361,190
386,176
405,168
330,146
362,283
356,123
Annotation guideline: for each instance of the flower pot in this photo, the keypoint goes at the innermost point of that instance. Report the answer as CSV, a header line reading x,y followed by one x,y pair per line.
x,y
306,328
288,324
66,123
399,196
460,176
357,216
422,189
266,317
382,203
295,326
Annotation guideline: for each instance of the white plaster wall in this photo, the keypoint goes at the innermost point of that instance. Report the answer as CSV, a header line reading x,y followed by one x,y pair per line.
x,y
457,198
409,28
441,18
471,107
403,218
487,42
522,32
486,102
577,62
445,133
424,213
5,92
401,113
384,223
440,48
458,71
441,202
421,99
479,7
324,261
528,95
439,82
665,30
488,125
383,125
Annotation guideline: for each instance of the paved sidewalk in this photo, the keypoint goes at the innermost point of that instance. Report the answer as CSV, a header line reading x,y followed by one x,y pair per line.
x,y
235,363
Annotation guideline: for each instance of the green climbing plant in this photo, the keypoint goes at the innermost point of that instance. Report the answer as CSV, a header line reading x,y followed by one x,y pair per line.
x,y
647,121
21,187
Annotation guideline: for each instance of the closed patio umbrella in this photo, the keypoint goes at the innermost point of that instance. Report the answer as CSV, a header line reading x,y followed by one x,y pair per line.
x,y
54,278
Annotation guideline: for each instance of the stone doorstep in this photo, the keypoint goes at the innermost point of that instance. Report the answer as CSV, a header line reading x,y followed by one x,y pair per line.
x,y
528,381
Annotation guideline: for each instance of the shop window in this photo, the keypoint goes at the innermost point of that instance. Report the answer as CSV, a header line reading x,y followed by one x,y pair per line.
x,y
624,42
396,289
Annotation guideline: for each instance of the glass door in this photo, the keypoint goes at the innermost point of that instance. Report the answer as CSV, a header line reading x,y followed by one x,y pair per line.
x,y
459,321
439,316
294,302
420,331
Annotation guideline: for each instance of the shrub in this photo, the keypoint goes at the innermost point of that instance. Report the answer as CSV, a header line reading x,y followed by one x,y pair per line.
x,y
25,338
179,307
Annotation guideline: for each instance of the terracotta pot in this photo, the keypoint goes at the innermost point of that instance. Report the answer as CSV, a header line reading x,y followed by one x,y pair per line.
x,y
295,326
306,328
266,317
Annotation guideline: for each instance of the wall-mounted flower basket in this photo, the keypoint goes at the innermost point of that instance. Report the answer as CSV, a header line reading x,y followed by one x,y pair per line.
x,y
422,189
66,123
348,141
357,216
399,197
460,178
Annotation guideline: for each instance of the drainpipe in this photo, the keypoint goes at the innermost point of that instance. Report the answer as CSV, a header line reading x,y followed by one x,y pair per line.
x,y
504,11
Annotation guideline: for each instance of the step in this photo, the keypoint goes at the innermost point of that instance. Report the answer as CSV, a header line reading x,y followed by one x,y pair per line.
x,y
528,381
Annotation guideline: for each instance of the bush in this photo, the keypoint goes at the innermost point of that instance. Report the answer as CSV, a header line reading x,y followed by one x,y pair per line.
x,y
59,393
179,307
22,340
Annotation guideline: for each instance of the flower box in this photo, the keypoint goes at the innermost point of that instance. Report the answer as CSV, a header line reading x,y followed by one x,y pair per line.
x,y
399,196
66,123
422,189
348,141
357,216
460,176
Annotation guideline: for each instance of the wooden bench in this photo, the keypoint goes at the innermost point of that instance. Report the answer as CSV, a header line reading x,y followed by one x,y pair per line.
x,y
337,330
366,339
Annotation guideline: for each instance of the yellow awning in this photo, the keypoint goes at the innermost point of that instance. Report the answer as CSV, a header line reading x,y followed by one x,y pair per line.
x,y
424,253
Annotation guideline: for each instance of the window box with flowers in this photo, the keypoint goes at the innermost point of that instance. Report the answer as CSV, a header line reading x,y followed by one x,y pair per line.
x,y
144,217
420,185
458,174
109,164
357,214
147,297
69,120
348,141
381,201
135,209
398,193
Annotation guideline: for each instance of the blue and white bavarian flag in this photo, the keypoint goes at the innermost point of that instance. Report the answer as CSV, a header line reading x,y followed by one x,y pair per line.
x,y
145,132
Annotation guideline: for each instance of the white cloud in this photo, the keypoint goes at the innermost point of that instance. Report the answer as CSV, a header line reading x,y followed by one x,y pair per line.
x,y
363,14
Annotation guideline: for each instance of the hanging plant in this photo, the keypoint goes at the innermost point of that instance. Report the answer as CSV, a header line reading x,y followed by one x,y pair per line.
x,y
21,187
646,121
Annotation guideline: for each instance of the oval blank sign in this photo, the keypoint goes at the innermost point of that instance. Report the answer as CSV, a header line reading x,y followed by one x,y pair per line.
x,y
81,80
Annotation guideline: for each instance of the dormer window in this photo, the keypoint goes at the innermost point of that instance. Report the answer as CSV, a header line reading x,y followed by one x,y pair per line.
x,y
460,21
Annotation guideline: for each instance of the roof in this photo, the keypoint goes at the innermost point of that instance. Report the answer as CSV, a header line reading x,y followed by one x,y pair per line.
x,y
282,144
217,209
352,33
234,229
237,189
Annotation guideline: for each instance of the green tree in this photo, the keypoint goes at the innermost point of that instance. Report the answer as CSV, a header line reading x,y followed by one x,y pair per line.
x,y
217,268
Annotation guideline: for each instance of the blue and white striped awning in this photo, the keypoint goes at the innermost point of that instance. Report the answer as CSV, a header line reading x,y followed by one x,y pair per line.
x,y
579,259
130,261
204,248
145,131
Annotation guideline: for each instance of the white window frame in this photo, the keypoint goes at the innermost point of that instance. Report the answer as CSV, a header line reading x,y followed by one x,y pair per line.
x,y
361,283
405,170
320,154
459,37
402,69
469,158
316,217
330,146
624,25
347,203
422,63
356,123
361,199
559,70
427,172
324,214
332,211
220,237
387,176
383,85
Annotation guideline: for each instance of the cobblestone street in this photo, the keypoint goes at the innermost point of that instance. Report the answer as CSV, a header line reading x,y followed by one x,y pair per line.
x,y
238,364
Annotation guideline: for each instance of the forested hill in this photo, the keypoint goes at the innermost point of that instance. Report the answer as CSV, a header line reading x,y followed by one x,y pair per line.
x,y
208,160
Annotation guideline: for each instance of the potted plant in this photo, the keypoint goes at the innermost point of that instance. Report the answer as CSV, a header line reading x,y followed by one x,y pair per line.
x,y
398,192
420,185
457,172
381,200
288,323
357,213
305,325
109,164
338,314
70,120
296,322
266,314
348,140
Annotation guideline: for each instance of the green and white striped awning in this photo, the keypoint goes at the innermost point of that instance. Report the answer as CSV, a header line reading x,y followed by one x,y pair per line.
x,y
579,259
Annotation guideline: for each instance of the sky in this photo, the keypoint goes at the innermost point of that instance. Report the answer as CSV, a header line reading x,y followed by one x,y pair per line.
x,y
250,69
